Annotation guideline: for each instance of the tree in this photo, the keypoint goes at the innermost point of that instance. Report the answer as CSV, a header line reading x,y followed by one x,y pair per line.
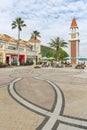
x,y
63,54
18,23
35,34
34,38
58,43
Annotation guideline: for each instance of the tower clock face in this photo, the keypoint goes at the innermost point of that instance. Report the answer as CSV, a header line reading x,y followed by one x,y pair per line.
x,y
73,35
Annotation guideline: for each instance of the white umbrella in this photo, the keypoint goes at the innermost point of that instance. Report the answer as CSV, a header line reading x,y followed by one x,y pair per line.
x,y
44,58
67,58
81,58
51,58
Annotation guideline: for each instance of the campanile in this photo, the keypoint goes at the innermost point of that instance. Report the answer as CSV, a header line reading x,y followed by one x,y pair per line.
x,y
74,41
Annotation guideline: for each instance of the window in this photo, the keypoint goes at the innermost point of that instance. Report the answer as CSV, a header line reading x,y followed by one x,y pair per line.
x,y
11,47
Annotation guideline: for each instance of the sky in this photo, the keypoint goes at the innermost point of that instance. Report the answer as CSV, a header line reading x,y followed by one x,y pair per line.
x,y
52,18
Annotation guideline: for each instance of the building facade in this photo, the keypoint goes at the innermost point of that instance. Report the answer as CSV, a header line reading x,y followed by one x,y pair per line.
x,y
9,50
74,41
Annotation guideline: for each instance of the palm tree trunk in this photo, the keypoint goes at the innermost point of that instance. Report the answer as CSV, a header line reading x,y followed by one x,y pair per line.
x,y
35,43
18,62
57,53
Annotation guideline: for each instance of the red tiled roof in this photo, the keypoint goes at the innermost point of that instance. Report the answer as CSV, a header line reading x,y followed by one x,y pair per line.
x,y
24,43
74,24
33,40
7,38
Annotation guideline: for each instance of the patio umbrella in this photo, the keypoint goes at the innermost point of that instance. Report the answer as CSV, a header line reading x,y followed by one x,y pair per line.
x,y
67,58
44,58
81,58
51,58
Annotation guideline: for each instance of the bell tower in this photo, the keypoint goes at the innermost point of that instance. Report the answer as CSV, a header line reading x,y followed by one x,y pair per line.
x,y
74,41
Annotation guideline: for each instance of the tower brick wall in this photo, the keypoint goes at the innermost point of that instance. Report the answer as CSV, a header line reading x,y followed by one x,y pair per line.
x,y
74,42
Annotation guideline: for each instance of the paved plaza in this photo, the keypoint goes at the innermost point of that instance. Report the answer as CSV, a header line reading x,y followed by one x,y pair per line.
x,y
43,98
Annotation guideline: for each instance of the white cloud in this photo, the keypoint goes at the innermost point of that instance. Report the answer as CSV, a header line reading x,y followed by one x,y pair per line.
x,y
51,17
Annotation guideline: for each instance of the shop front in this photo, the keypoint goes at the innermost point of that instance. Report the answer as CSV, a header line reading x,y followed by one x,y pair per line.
x,y
11,59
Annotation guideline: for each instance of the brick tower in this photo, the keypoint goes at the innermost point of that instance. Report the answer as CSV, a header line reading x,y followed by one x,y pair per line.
x,y
74,41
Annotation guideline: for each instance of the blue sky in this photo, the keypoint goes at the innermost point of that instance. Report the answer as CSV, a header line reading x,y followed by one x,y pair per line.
x,y
51,18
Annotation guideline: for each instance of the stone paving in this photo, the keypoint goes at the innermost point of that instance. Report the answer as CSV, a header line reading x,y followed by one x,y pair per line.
x,y
43,99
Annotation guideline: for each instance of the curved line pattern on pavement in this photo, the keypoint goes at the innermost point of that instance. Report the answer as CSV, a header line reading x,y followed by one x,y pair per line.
x,y
50,123
54,117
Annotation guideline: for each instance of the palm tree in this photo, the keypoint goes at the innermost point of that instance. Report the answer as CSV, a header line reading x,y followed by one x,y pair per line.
x,y
18,23
34,38
58,43
35,34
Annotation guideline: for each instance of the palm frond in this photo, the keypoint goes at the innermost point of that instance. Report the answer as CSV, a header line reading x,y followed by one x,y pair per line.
x,y
57,43
18,23
35,34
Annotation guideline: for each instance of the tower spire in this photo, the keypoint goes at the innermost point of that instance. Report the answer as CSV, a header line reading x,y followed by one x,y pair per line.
x,y
74,24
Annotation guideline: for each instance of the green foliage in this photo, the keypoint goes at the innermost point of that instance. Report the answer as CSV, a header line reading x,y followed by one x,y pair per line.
x,y
19,23
57,44
47,51
50,52
35,34
63,54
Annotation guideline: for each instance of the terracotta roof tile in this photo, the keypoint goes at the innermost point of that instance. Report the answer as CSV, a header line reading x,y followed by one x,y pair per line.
x,y
33,40
24,43
9,39
74,24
